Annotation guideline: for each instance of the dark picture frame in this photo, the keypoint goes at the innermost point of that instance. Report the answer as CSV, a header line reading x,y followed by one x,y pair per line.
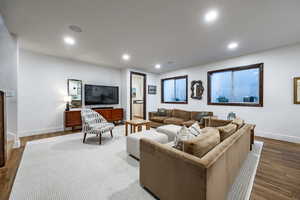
x,y
197,90
259,66
186,89
297,90
152,89
75,103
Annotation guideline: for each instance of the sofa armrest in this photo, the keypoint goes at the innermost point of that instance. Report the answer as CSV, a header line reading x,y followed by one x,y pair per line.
x,y
152,114
171,174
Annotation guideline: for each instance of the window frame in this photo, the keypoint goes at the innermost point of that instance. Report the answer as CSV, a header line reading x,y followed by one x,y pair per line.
x,y
174,78
259,66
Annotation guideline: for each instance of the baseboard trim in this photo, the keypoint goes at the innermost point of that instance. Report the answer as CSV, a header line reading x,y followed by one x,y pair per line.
x,y
281,137
41,131
14,137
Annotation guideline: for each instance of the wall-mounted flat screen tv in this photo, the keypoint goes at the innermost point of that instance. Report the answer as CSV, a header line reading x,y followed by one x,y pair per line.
x,y
101,95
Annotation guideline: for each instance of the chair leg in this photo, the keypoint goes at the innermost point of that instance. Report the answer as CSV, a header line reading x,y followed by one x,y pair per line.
x,y
111,133
84,138
100,139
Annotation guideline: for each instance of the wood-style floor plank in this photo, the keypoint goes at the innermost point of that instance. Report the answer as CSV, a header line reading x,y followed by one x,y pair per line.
x,y
277,177
278,173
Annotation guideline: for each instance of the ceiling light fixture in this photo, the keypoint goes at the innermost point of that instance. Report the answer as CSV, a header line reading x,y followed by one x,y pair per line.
x,y
126,57
232,45
211,16
157,66
69,40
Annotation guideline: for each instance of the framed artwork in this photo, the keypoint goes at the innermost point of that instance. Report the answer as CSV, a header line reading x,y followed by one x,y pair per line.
x,y
151,89
197,90
297,90
75,91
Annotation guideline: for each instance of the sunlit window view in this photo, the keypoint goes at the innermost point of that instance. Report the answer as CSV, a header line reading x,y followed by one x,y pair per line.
x,y
175,90
235,86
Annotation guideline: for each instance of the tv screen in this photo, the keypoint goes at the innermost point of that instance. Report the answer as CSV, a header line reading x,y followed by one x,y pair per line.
x,y
96,95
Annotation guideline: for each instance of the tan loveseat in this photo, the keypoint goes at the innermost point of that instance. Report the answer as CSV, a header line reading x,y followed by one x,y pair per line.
x,y
177,117
171,174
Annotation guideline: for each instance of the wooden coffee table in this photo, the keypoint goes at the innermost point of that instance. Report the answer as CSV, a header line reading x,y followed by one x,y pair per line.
x,y
136,123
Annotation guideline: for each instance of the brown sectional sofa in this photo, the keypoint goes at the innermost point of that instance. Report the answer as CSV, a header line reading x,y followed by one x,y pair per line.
x,y
171,174
177,117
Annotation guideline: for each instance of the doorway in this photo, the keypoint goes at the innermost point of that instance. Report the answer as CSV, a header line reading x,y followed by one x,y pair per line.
x,y
2,132
137,95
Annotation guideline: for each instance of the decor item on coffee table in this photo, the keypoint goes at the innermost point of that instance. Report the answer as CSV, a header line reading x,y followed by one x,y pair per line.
x,y
197,90
177,117
297,90
136,123
231,116
94,123
133,141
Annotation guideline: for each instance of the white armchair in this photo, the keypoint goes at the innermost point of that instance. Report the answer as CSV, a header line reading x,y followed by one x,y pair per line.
x,y
94,123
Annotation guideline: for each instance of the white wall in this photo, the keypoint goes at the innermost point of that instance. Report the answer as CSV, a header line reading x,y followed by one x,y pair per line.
x,y
279,118
43,86
9,76
152,100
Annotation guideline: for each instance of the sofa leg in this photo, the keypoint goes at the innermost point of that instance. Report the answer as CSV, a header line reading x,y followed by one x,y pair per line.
x,y
111,133
84,138
100,139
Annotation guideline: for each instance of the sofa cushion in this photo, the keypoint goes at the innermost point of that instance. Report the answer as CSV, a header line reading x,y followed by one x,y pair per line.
x,y
159,119
239,122
189,123
162,112
173,120
226,131
182,114
203,143
198,116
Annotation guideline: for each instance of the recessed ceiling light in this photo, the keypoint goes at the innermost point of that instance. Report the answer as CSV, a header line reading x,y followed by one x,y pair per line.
x,y
69,40
157,66
211,16
232,45
126,57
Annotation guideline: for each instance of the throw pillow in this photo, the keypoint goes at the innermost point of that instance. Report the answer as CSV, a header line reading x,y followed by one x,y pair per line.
x,y
226,131
239,122
195,129
203,143
162,112
182,135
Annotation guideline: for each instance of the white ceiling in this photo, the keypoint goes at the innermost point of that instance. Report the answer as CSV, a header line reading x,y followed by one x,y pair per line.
x,y
152,31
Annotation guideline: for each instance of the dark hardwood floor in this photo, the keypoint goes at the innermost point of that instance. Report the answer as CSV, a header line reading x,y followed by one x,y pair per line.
x,y
277,177
278,173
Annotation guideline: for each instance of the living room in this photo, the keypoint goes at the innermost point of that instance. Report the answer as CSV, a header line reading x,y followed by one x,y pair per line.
x,y
215,66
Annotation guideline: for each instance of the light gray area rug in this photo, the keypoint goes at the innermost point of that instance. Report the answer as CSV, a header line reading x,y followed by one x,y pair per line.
x,y
63,168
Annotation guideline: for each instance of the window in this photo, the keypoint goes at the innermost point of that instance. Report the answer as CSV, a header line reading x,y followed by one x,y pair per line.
x,y
174,90
240,86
